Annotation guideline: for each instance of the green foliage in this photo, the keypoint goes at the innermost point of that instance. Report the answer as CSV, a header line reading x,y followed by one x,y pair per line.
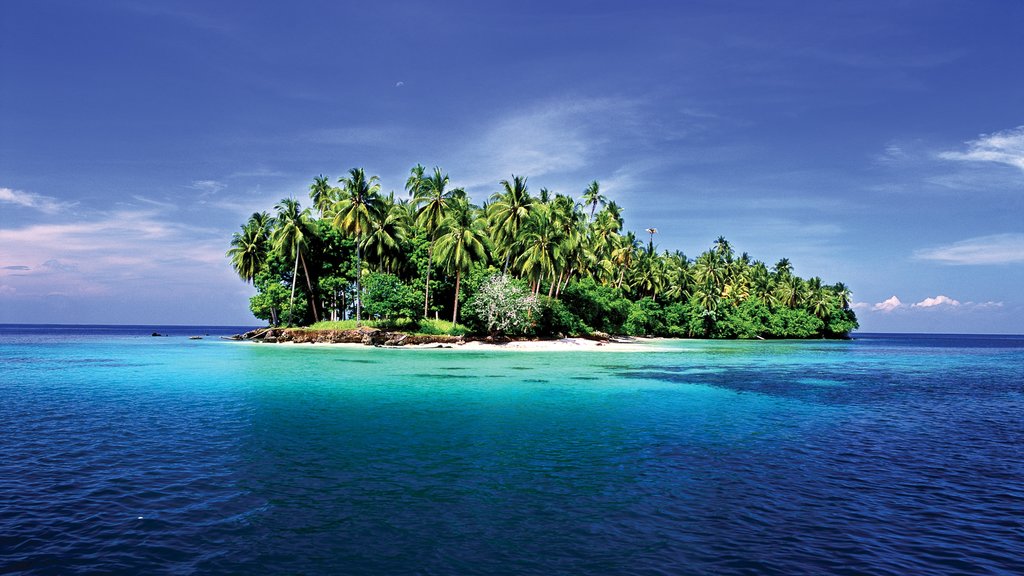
x,y
385,296
646,318
272,300
842,323
787,323
440,327
602,308
555,319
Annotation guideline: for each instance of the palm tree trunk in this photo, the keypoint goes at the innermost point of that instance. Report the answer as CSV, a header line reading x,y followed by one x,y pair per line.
x,y
455,307
295,276
359,281
551,289
312,297
430,264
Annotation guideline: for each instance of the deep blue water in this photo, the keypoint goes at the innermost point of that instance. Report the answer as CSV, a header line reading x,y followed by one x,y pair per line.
x,y
888,454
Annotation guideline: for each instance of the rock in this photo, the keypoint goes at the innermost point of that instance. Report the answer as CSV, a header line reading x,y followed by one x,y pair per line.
x,y
397,340
270,339
156,334
195,337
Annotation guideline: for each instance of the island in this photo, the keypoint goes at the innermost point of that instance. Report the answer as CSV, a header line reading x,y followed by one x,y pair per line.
x,y
434,268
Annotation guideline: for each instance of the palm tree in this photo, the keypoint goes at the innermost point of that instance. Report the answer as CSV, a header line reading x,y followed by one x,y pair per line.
x,y
433,201
415,180
592,197
782,269
542,248
462,243
250,247
382,243
291,238
322,194
843,295
354,212
508,212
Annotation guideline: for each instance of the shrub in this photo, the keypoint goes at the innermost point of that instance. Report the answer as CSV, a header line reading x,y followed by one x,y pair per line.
x,y
600,307
385,296
502,306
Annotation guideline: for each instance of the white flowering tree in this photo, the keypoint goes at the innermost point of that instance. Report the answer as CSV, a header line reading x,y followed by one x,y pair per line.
x,y
503,306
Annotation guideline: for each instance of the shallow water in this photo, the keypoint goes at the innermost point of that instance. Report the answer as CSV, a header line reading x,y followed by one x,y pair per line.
x,y
882,455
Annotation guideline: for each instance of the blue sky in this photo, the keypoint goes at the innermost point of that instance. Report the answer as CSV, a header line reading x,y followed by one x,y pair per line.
x,y
876,143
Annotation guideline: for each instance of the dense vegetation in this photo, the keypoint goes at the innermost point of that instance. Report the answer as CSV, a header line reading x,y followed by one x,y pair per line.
x,y
551,264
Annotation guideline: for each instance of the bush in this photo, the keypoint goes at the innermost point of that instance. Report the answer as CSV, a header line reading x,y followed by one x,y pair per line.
x,y
502,306
788,323
385,296
556,319
600,307
645,318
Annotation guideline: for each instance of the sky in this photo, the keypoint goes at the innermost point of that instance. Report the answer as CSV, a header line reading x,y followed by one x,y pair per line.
x,y
879,144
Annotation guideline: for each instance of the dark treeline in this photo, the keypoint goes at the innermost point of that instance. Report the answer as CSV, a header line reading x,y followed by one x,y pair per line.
x,y
359,253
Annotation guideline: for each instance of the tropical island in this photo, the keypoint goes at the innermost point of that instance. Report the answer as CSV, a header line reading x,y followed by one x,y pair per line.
x,y
520,265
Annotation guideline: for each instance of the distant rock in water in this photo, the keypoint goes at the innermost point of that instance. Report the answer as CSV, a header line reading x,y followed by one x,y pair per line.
x,y
195,337
156,334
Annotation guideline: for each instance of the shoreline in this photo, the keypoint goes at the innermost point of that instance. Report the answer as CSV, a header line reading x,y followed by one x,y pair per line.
x,y
389,340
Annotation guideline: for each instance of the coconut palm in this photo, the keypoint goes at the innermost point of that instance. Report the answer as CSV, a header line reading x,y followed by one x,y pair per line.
x,y
508,211
322,194
462,243
293,232
541,243
415,180
358,205
382,242
433,199
592,197
250,247
843,295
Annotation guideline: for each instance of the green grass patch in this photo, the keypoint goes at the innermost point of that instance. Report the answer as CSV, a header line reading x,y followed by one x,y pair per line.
x,y
340,325
438,327
410,325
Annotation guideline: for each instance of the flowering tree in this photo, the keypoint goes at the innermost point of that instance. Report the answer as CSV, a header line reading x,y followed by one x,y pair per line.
x,y
504,306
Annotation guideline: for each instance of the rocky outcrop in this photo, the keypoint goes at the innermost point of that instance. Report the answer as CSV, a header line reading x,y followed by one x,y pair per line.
x,y
363,335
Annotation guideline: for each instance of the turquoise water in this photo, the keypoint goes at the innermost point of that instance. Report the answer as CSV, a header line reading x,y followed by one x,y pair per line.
x,y
120,452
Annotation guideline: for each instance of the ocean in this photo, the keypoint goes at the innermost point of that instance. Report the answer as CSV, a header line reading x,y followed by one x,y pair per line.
x,y
886,454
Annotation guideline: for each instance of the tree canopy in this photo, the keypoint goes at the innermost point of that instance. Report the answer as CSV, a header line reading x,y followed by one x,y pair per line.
x,y
580,270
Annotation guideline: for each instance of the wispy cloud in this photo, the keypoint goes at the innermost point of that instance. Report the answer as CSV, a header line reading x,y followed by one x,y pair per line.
x,y
44,204
15,268
114,253
207,186
1005,147
993,249
555,138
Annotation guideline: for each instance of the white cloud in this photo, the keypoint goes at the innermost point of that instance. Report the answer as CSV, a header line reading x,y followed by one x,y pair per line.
x,y
939,300
39,202
994,249
117,252
553,138
888,305
1005,147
